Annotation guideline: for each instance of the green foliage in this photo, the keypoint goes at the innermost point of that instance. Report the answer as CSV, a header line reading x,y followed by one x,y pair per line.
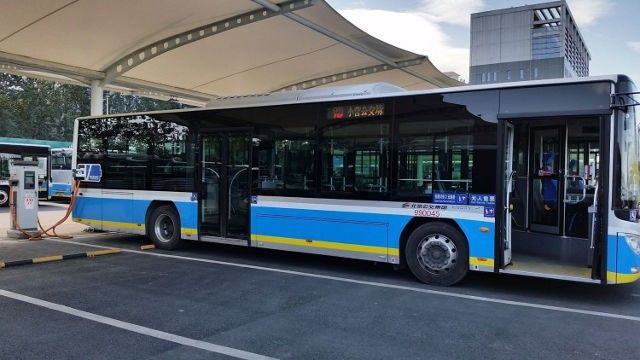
x,y
116,103
39,109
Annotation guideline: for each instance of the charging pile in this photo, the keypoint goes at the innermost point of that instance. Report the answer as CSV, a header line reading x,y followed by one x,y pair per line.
x,y
23,204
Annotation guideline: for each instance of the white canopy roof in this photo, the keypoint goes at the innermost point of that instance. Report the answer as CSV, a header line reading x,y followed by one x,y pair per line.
x,y
196,50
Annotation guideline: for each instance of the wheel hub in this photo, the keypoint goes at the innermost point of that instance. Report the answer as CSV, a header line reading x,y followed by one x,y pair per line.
x,y
437,253
164,228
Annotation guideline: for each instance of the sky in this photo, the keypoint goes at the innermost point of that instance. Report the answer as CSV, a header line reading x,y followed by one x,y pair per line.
x,y
440,29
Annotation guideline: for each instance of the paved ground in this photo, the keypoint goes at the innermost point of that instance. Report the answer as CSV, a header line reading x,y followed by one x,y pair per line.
x,y
207,300
49,213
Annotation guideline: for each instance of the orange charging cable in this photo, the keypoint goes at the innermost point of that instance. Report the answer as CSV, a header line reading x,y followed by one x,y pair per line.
x,y
74,196
51,231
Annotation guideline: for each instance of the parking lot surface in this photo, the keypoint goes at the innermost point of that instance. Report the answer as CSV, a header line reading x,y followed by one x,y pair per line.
x,y
215,301
49,212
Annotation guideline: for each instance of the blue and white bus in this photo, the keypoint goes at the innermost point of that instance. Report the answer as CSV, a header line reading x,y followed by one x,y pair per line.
x,y
536,178
61,174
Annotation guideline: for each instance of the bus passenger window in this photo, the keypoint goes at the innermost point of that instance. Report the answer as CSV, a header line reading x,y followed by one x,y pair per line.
x,y
139,153
355,157
415,165
284,160
443,148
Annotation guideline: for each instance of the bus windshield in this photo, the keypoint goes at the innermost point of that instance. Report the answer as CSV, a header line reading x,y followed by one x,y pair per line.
x,y
5,165
60,160
628,139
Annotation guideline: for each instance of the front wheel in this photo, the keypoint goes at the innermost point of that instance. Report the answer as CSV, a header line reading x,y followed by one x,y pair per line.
x,y
4,197
165,228
437,254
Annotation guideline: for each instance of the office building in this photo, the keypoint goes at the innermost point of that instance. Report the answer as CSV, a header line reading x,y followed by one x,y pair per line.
x,y
529,42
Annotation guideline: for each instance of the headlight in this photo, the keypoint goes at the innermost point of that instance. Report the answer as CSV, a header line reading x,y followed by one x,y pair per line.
x,y
634,242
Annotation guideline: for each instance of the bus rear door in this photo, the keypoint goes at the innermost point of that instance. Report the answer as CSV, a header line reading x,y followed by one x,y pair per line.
x,y
225,188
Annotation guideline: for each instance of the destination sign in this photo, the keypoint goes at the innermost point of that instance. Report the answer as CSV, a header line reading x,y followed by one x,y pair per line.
x,y
355,111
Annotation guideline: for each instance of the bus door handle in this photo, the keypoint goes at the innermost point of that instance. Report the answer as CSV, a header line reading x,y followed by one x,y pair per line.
x,y
508,206
575,198
593,209
233,179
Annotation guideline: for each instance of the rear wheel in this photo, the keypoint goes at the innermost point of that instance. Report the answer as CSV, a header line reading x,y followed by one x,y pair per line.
x,y
164,228
437,254
4,197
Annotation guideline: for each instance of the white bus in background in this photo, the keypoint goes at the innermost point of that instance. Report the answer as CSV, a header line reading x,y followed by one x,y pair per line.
x,y
12,151
61,174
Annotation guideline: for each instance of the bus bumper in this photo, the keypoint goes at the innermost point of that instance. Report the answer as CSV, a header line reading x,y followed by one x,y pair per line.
x,y
60,190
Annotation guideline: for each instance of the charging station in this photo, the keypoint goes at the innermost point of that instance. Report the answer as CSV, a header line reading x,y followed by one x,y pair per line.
x,y
24,188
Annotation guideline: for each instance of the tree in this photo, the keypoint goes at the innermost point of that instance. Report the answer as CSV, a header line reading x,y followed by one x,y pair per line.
x,y
39,109
119,103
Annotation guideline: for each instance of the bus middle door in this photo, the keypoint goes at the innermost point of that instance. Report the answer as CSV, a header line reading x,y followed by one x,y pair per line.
x,y
225,188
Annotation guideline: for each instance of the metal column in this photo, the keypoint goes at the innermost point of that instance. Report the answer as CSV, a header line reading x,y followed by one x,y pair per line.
x,y
97,93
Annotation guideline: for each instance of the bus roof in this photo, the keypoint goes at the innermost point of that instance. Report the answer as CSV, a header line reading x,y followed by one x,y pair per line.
x,y
50,143
24,149
275,99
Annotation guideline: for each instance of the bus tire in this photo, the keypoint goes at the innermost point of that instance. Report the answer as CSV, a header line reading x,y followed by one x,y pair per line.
x,y
4,197
437,254
164,227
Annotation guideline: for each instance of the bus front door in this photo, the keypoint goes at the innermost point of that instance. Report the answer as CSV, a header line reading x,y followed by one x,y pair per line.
x,y
557,164
509,174
225,189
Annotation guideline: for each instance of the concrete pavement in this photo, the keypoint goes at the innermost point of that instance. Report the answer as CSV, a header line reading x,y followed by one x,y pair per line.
x,y
285,305
49,213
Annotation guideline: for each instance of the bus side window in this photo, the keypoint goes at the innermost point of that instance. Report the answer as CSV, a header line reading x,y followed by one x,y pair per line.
x,y
284,160
443,148
355,157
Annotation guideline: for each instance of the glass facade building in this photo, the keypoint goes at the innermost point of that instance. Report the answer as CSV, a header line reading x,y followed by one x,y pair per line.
x,y
540,41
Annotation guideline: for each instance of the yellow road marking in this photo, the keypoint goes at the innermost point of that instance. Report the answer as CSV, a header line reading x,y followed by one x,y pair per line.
x,y
102,252
45,259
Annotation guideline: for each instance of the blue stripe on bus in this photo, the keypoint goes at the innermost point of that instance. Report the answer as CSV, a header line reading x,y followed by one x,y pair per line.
x,y
129,211
612,253
188,214
620,261
341,227
626,258
367,229
480,243
87,208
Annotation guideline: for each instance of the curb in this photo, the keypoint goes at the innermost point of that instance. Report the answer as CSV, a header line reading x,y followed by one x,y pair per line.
x,y
52,258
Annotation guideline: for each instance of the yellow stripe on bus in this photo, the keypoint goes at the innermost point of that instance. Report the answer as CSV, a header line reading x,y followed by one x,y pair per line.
x,y
126,225
189,231
480,261
115,224
619,278
325,245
